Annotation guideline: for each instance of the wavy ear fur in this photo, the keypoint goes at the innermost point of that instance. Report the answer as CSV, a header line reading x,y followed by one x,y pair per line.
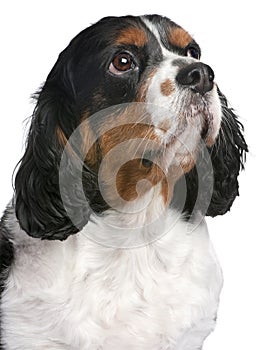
x,y
38,203
227,157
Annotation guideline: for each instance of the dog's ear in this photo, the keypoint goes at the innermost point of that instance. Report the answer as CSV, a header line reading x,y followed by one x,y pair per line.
x,y
216,187
228,156
39,207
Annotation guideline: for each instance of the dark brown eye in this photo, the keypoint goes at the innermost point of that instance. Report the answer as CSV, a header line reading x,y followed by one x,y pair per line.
x,y
122,63
193,52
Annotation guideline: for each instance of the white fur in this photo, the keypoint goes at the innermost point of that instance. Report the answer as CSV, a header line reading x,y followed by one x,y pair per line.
x,y
78,294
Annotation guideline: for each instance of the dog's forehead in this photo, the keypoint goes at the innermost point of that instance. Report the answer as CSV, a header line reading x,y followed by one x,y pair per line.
x,y
167,33
141,30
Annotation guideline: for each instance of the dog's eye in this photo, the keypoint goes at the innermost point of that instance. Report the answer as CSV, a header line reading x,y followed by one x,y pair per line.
x,y
122,63
193,52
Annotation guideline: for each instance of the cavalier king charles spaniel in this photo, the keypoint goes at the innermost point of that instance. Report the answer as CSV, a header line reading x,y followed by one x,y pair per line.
x,y
104,245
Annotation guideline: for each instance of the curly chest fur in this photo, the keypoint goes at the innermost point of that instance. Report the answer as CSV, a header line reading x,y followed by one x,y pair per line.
x,y
79,295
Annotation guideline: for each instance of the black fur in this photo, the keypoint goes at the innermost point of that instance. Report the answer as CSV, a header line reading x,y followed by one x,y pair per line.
x,y
228,156
39,207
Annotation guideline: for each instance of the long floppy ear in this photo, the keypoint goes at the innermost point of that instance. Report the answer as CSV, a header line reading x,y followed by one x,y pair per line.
x,y
39,206
228,156
227,159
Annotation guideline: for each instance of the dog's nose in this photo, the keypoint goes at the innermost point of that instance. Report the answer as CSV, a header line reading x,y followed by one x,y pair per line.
x,y
197,76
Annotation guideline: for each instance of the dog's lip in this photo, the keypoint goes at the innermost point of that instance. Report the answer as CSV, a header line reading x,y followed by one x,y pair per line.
x,y
177,139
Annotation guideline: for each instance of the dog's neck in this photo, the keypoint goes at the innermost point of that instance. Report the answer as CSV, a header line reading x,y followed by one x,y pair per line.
x,y
134,224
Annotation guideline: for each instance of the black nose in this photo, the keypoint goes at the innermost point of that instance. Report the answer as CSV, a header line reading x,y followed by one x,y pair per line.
x,y
197,76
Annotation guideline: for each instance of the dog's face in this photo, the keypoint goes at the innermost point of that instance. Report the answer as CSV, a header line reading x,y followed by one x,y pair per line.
x,y
153,61
168,105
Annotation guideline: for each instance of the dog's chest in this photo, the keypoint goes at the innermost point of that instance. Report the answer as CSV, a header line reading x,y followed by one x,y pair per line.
x,y
79,295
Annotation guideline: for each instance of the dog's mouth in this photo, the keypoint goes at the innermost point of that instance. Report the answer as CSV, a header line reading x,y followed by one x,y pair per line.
x,y
199,116
197,122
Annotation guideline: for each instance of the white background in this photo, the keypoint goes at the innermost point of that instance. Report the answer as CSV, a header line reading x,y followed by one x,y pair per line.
x,y
237,41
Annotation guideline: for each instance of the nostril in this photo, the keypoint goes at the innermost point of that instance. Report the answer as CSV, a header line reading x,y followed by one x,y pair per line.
x,y
194,76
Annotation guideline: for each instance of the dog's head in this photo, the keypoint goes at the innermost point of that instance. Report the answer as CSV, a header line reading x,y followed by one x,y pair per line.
x,y
143,107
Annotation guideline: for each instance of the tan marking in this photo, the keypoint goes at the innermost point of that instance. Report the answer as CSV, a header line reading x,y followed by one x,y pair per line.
x,y
165,191
125,133
61,136
89,144
167,87
129,176
179,37
132,36
63,141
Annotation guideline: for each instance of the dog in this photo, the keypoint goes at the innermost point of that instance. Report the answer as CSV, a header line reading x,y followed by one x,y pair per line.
x,y
104,245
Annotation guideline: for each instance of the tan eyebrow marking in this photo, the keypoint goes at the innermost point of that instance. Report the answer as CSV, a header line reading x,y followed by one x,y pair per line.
x,y
179,37
132,36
